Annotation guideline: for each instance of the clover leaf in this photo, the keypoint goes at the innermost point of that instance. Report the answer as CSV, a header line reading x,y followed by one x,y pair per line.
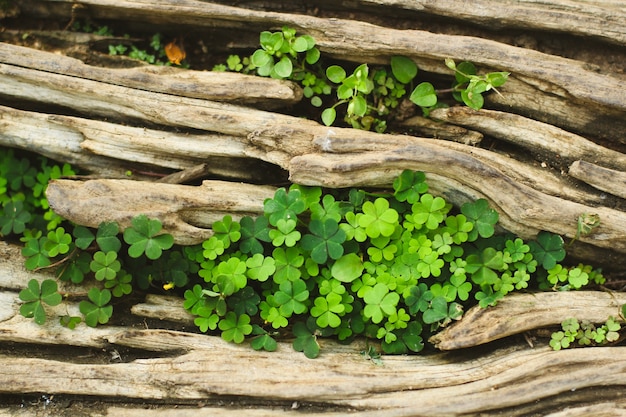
x,y
260,267
285,233
97,309
327,310
305,341
143,238
105,265
83,237
284,205
409,186
244,301
253,232
235,328
483,217
325,241
291,297
547,249
14,219
106,237
58,242
35,297
36,254
379,302
418,298
227,231
377,218
263,340
288,262
483,266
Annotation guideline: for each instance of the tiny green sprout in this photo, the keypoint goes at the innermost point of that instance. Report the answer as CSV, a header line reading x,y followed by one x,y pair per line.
x,y
35,296
585,224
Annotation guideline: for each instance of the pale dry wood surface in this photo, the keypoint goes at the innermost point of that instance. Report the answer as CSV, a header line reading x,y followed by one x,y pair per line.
x,y
600,19
610,180
209,85
187,368
186,211
364,42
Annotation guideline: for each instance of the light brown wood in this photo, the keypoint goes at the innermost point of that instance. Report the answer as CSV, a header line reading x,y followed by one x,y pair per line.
x,y
518,313
165,120
186,212
546,141
548,76
598,19
218,86
609,180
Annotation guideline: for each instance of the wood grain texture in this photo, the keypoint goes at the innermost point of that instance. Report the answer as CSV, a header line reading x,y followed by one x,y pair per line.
x,y
209,85
610,180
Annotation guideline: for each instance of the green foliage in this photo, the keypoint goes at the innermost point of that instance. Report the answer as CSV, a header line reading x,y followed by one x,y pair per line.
x,y
144,238
369,95
35,296
471,87
585,333
395,267
97,310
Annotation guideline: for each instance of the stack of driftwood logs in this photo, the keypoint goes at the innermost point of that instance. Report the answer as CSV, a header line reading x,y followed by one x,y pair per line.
x,y
556,134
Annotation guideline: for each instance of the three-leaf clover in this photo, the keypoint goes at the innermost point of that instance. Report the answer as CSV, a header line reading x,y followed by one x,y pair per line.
x,y
379,302
325,241
35,297
105,265
143,237
97,309
547,249
235,328
14,219
378,218
306,341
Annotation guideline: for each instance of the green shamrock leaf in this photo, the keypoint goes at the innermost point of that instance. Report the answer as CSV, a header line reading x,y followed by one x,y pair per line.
x,y
143,237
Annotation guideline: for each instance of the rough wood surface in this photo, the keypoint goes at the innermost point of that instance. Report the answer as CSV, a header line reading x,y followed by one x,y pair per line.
x,y
598,19
209,85
549,142
518,313
364,42
186,368
561,105
609,180
187,212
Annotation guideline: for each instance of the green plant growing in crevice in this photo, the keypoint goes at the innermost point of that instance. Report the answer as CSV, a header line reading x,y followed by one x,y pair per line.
x,y
35,296
369,95
392,267
585,333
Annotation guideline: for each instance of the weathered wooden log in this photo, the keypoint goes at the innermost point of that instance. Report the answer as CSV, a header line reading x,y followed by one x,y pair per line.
x,y
541,139
597,20
524,206
218,86
609,180
518,313
110,149
178,367
363,42
186,212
